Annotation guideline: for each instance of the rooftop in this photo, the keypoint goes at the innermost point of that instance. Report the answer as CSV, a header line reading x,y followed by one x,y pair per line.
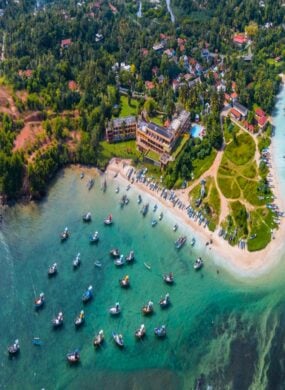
x,y
164,132
128,120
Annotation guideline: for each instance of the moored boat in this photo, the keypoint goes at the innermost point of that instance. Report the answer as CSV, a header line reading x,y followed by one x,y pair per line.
x,y
39,302
58,320
37,341
81,175
139,199
115,310
144,209
99,338
118,338
148,308
98,264
154,208
175,227
140,332
52,271
80,319
87,295
90,184
193,241
115,252
93,238
77,261
147,266
119,262
87,217
153,222
180,242
130,257
73,357
14,348
160,216
125,281
168,278
198,264
160,331
108,220
164,302
117,189
64,235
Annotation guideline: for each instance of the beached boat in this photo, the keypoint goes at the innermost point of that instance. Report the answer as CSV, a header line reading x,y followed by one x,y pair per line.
x,y
37,341
198,264
144,209
148,308
87,217
64,235
14,348
119,262
108,220
39,302
139,199
98,264
125,281
168,278
115,310
164,302
153,222
117,189
128,187
98,339
160,216
77,261
130,257
193,241
160,331
80,319
90,184
140,332
154,208
175,227
115,252
58,320
73,357
87,295
52,271
118,338
93,238
147,266
180,242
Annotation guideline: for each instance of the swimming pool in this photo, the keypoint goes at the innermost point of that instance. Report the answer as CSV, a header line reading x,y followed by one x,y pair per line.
x,y
195,130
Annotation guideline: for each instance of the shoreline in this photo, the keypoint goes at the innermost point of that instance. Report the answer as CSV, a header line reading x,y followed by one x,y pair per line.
x,y
238,261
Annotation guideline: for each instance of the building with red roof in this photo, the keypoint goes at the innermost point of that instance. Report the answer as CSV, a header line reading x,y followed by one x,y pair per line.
x,y
261,118
235,114
65,43
240,39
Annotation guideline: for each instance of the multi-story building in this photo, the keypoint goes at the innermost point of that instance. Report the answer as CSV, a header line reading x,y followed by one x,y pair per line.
x,y
121,129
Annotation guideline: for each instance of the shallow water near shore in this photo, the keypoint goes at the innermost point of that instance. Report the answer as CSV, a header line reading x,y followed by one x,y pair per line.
x,y
222,328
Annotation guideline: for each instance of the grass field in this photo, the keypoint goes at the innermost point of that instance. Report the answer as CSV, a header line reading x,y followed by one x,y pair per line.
x,y
242,151
127,109
201,166
126,149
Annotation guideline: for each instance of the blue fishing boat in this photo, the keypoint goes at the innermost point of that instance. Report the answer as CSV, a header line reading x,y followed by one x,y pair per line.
x,y
37,341
160,331
153,222
193,241
144,209
180,242
39,302
90,184
93,238
87,295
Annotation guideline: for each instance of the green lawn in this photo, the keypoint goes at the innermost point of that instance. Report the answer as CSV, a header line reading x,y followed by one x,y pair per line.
x,y
180,145
126,149
242,151
157,120
201,166
127,110
229,187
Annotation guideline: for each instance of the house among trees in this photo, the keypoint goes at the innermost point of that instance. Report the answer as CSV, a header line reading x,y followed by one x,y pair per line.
x,y
261,118
241,109
65,43
120,129
240,39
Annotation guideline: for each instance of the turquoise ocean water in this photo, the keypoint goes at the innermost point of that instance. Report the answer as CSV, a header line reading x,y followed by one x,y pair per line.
x,y
224,329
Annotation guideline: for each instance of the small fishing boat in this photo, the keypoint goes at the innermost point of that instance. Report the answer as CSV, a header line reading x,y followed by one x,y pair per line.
x,y
128,187
140,332
169,279
108,220
160,331
73,357
80,319
180,242
39,302
58,320
77,261
153,222
125,282
154,208
148,308
117,189
139,199
99,338
14,348
193,241
81,175
37,341
160,216
118,338
147,266
87,217
115,252
98,264
164,302
64,235
198,264
130,257
115,310
52,271
144,209
90,184
175,227
104,186
93,238
119,262
87,295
